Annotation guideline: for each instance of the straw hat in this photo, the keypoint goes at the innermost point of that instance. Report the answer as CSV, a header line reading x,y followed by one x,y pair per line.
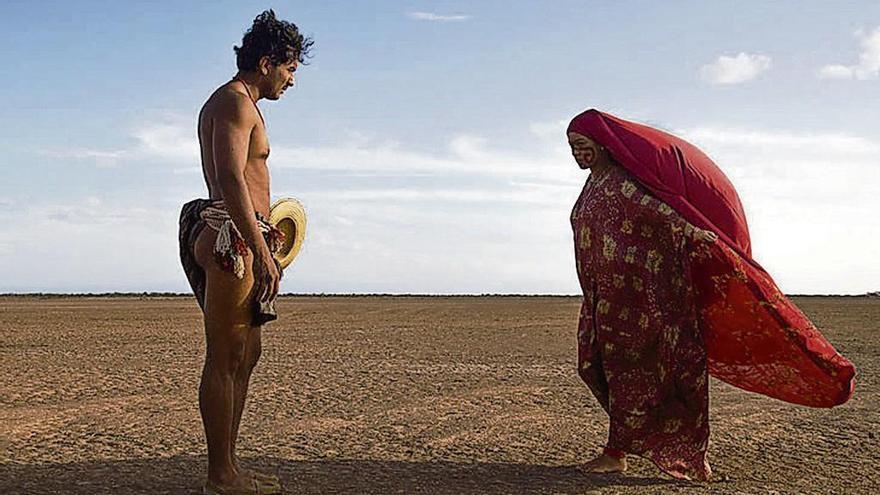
x,y
289,216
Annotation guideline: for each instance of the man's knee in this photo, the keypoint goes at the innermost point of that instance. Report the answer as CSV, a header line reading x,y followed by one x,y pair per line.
x,y
255,350
228,355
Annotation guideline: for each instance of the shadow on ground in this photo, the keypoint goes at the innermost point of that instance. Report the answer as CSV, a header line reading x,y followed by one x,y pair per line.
x,y
183,475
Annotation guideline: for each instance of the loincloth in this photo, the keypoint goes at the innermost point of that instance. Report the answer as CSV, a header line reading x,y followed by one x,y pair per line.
x,y
229,248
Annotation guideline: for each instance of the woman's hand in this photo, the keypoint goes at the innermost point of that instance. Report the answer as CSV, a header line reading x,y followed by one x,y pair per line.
x,y
705,235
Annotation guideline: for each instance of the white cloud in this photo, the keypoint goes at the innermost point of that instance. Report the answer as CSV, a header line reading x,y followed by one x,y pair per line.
x,y
520,194
464,156
479,220
465,218
869,60
836,72
806,196
430,16
825,144
172,140
550,131
735,70
89,244
100,158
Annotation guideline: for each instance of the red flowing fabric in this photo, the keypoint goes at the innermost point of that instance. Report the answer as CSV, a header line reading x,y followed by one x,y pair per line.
x,y
756,338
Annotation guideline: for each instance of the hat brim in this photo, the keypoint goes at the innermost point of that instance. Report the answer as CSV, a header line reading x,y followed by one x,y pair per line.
x,y
288,216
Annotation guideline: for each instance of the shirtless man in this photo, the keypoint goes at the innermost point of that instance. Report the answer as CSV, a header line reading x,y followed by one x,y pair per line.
x,y
230,264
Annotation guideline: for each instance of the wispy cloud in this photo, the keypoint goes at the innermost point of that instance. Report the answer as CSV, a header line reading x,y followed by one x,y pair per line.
x,y
434,17
805,195
827,144
100,158
170,140
82,245
812,170
835,71
521,194
727,70
173,141
466,218
464,156
868,66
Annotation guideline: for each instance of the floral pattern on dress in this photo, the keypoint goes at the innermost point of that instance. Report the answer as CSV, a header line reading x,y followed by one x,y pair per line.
x,y
640,348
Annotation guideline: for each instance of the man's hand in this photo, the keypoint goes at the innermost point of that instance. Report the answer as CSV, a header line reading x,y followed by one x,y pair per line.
x,y
267,276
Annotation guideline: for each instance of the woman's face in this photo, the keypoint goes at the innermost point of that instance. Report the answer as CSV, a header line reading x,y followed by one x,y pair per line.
x,y
584,150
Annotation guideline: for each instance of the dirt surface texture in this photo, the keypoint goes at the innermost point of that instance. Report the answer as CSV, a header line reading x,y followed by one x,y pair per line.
x,y
376,395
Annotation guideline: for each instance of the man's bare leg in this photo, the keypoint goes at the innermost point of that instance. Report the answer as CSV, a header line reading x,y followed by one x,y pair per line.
x,y
227,328
252,356
242,381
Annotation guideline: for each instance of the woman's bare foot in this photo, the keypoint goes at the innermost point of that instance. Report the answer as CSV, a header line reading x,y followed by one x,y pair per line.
x,y
708,471
605,464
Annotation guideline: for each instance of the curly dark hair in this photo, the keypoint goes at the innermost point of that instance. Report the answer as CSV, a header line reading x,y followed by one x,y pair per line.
x,y
270,37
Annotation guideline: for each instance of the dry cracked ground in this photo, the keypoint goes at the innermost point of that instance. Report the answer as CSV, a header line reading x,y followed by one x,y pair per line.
x,y
435,395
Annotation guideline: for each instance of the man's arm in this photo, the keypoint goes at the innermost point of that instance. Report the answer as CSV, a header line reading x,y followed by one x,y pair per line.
x,y
232,133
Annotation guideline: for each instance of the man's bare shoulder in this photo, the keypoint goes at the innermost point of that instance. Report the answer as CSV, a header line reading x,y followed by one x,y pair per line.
x,y
230,105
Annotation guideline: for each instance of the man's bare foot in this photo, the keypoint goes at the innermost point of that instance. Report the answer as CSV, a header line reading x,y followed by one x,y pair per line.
x,y
229,485
605,464
262,478
244,485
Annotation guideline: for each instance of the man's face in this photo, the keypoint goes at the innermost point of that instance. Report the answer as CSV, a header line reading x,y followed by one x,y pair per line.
x,y
279,78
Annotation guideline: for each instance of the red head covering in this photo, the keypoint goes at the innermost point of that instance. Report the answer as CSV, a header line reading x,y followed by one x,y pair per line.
x,y
675,171
755,337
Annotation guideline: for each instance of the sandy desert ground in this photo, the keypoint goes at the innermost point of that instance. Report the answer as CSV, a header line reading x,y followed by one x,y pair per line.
x,y
458,395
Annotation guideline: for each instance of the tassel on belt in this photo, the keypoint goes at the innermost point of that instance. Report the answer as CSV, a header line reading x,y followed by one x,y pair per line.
x,y
230,248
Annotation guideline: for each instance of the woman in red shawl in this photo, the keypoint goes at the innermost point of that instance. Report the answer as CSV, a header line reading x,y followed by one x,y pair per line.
x,y
672,294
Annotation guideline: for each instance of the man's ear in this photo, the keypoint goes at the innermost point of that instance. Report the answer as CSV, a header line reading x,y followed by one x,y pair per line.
x,y
263,65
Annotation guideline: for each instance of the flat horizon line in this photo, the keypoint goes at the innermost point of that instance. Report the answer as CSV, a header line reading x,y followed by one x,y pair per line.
x,y
160,294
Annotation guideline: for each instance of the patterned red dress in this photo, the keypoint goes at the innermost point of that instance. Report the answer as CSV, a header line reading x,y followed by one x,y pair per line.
x,y
661,307
640,349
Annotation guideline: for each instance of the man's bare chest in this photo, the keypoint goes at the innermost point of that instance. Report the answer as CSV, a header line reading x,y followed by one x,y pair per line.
x,y
258,146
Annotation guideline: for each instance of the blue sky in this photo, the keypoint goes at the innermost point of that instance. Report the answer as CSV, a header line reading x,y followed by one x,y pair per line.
x,y
427,138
